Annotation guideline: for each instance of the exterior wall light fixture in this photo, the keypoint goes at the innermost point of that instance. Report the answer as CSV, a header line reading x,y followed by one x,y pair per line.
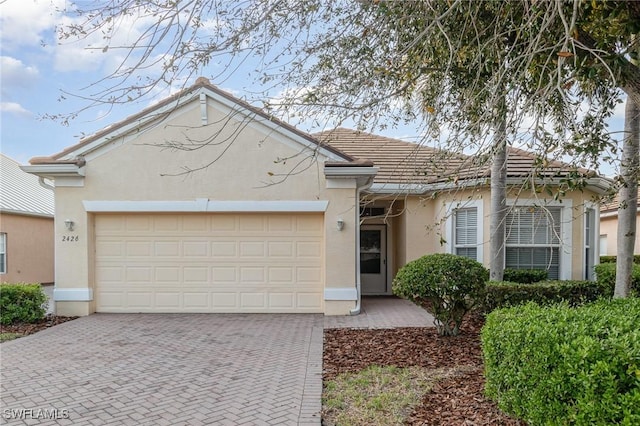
x,y
69,224
340,224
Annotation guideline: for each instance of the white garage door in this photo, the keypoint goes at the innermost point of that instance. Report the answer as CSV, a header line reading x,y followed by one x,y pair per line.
x,y
209,262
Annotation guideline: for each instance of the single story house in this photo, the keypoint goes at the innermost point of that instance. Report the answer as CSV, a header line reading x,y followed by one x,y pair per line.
x,y
204,203
26,226
609,228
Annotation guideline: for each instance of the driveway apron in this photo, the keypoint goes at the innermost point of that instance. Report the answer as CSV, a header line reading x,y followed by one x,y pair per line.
x,y
166,369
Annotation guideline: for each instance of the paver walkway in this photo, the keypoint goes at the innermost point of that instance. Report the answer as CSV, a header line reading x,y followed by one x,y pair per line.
x,y
179,369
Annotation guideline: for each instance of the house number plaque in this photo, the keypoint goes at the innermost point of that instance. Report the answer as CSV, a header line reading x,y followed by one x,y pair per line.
x,y
70,238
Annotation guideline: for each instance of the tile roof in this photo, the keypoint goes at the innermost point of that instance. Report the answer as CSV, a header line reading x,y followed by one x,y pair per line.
x,y
404,162
398,161
611,205
21,192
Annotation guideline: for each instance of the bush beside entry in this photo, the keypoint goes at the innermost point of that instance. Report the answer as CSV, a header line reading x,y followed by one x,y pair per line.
x,y
446,285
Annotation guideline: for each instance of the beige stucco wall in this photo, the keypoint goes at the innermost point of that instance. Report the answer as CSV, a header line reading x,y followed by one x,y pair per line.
x,y
246,162
609,230
30,248
422,227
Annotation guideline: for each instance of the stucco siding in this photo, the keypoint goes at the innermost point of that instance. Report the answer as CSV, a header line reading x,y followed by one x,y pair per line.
x,y
245,161
30,248
609,231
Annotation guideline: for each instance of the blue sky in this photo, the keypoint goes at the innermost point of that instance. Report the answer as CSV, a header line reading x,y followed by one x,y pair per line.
x,y
35,68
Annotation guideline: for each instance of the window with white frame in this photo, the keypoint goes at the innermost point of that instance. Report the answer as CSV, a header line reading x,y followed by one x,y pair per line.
x,y
465,232
533,239
3,253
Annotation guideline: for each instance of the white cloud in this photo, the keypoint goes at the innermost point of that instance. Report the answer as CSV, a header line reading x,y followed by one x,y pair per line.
x,y
15,73
24,22
15,109
96,52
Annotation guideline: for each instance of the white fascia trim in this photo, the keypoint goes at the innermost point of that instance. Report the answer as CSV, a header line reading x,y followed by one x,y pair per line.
x,y
54,170
204,205
345,293
72,294
349,172
397,188
418,189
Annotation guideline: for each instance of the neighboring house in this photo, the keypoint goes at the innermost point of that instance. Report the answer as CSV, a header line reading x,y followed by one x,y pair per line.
x,y
26,226
609,228
267,218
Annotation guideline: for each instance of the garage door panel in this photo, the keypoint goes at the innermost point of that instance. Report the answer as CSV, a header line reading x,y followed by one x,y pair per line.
x,y
309,249
139,275
196,249
224,301
209,263
139,300
110,248
138,223
280,275
138,248
167,274
252,275
282,300
252,249
223,223
196,275
224,274
281,223
280,249
224,248
308,274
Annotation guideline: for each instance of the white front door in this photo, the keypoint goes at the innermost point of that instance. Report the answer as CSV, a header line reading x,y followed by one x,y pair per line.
x,y
373,259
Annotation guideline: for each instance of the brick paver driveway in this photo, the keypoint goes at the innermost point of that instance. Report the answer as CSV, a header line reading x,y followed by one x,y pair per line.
x,y
166,369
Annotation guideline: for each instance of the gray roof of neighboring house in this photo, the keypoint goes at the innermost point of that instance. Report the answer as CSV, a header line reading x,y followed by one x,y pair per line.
x,y
21,193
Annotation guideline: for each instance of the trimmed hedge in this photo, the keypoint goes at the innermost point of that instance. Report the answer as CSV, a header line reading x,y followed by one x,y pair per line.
x,y
446,285
525,276
505,294
606,276
22,303
562,365
612,259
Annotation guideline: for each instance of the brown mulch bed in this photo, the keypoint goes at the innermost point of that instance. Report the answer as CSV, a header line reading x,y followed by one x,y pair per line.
x,y
30,328
458,400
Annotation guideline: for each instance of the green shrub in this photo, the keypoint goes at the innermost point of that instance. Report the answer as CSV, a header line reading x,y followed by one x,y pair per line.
x,y
448,286
562,365
22,303
612,259
504,294
525,276
606,276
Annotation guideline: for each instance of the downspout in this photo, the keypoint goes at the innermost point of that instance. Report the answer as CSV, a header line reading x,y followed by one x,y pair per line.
x,y
356,310
44,184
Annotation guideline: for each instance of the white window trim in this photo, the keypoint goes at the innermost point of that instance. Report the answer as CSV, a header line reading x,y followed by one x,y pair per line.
x,y
450,224
595,243
566,230
3,265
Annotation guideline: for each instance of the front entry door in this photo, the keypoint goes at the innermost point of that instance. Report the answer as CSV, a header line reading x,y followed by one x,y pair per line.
x,y
373,259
